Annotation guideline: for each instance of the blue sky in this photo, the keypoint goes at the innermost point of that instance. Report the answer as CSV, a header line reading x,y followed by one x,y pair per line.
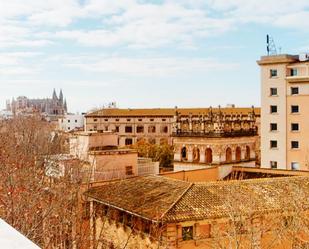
x,y
139,53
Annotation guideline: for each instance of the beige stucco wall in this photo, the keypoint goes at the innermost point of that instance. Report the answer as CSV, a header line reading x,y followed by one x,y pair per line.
x,y
300,155
80,143
113,164
268,154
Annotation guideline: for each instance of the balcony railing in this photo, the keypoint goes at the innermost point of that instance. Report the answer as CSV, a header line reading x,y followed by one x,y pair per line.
x,y
213,134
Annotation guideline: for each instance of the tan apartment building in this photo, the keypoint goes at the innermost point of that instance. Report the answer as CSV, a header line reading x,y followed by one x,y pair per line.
x,y
155,125
285,111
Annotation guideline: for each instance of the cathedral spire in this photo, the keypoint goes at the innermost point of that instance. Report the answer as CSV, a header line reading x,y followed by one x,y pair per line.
x,y
61,97
55,95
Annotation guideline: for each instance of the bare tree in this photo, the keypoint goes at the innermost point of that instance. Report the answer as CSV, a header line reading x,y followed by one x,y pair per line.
x,y
44,208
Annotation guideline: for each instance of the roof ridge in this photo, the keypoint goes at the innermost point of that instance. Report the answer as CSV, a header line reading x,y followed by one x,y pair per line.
x,y
177,200
229,182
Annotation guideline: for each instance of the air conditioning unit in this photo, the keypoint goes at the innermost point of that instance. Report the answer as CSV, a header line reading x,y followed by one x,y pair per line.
x,y
304,57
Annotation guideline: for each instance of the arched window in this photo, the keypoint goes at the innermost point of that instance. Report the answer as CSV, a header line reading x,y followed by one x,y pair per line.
x,y
184,153
238,154
208,155
228,155
247,153
196,155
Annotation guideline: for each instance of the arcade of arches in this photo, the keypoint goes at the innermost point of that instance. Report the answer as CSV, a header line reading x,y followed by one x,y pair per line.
x,y
218,151
233,153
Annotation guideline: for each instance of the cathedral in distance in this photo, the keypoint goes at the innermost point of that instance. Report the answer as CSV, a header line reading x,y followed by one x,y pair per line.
x,y
56,105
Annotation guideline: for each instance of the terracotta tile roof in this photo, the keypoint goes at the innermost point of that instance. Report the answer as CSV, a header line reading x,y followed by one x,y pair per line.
x,y
149,197
212,200
167,112
159,198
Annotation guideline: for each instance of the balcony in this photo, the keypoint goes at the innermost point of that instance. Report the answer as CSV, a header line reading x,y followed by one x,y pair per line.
x,y
213,134
298,74
298,78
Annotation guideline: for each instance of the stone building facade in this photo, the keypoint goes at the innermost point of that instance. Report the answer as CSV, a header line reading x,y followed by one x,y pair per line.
x,y
154,125
216,138
50,106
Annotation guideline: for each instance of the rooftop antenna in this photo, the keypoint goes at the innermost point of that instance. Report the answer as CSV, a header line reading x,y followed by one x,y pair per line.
x,y
271,46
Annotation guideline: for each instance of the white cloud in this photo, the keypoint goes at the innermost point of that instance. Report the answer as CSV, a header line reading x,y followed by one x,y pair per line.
x,y
294,20
16,64
150,25
154,66
131,23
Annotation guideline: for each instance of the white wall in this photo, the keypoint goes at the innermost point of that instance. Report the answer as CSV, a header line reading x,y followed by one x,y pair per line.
x,y
70,122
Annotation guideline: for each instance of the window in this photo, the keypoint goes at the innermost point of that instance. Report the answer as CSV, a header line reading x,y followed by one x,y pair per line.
x,y
69,128
106,128
273,109
140,120
117,128
152,140
117,119
128,141
273,91
273,144
187,233
163,119
273,127
273,73
129,170
128,129
164,129
69,121
184,153
75,120
106,120
295,166
151,129
294,90
151,119
95,128
95,120
293,72
128,119
140,129
294,144
294,109
294,127
273,164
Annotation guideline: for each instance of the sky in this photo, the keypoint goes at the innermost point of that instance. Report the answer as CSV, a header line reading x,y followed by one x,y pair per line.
x,y
144,53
